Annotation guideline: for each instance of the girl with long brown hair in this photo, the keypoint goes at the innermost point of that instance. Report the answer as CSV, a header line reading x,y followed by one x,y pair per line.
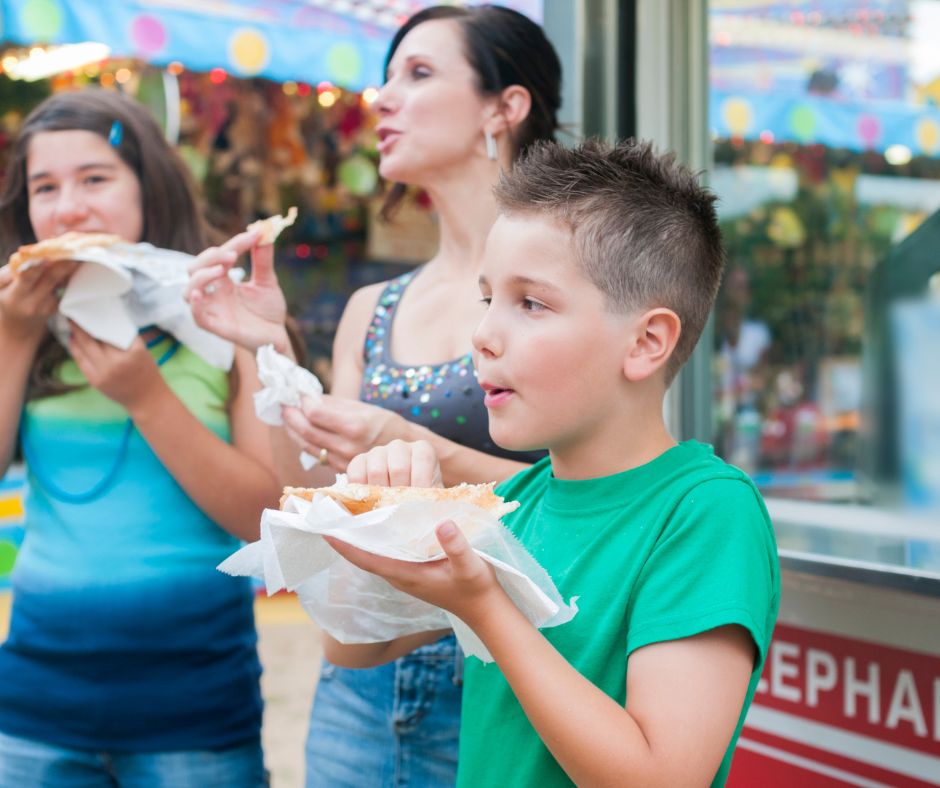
x,y
130,659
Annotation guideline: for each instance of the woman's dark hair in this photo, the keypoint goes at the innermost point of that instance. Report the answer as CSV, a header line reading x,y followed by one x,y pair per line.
x,y
172,216
504,48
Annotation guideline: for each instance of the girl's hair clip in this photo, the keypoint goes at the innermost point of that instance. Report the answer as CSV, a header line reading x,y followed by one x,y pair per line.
x,y
116,134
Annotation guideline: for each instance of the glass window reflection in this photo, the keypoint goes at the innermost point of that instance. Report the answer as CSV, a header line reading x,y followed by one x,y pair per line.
x,y
825,118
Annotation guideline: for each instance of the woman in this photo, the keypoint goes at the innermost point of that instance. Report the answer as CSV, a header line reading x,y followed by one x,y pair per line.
x,y
130,659
467,90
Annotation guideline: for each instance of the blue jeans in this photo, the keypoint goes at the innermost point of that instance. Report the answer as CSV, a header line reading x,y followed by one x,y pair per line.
x,y
395,725
26,763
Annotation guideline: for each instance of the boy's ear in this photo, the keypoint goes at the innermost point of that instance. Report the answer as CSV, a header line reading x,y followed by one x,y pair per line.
x,y
655,334
513,107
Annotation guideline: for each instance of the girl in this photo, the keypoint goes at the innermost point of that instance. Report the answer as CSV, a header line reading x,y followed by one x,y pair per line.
x,y
130,659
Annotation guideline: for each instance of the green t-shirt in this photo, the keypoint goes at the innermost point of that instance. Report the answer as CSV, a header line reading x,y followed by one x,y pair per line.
x,y
668,550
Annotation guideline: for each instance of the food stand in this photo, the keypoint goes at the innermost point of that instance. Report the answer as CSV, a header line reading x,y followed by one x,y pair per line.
x,y
826,154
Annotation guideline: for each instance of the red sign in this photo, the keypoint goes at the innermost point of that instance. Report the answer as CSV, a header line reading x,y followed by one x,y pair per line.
x,y
832,710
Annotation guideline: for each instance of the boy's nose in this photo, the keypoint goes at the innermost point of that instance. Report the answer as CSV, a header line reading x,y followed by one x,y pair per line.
x,y
486,338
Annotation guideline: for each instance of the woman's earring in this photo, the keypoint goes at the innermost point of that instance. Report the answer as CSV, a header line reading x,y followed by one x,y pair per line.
x,y
491,152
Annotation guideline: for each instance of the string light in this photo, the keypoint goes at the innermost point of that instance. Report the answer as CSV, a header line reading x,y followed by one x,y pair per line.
x,y
898,155
123,76
175,68
327,99
217,76
43,63
369,95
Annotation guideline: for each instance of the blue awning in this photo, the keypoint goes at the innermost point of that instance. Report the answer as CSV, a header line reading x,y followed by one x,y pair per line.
x,y
299,40
812,119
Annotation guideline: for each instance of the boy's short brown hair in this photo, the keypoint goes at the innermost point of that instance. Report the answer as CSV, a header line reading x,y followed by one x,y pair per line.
x,y
645,232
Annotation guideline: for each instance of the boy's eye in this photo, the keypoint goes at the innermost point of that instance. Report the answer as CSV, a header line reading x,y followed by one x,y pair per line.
x,y
420,72
531,305
486,300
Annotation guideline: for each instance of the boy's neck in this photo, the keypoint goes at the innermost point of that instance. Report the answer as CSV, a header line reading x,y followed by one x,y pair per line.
x,y
626,441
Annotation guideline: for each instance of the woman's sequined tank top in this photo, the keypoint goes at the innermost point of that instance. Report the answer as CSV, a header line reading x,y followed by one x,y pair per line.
x,y
445,398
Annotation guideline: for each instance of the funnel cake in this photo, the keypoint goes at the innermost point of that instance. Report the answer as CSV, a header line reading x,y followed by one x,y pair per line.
x,y
62,247
359,498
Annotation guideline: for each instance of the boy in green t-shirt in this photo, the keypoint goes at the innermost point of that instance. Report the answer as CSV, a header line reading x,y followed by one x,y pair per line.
x,y
599,275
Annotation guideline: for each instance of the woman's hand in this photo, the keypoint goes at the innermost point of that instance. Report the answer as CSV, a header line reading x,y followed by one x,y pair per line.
x,y
343,427
28,300
128,377
249,313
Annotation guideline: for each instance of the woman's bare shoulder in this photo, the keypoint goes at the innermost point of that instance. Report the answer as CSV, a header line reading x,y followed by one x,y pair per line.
x,y
364,300
361,307
357,315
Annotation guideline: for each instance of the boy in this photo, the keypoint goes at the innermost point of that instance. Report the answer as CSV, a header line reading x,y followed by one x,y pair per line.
x,y
599,275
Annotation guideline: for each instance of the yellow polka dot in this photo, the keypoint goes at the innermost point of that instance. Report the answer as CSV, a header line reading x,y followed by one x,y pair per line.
x,y
928,135
248,51
738,115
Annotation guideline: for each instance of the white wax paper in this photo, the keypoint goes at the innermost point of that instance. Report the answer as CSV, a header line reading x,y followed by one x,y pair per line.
x,y
354,606
123,287
285,382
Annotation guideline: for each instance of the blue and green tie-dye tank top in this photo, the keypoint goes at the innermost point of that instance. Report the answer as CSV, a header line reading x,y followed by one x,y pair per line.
x,y
123,635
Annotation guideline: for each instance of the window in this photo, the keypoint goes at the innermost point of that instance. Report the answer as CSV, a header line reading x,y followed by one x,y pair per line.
x,y
825,123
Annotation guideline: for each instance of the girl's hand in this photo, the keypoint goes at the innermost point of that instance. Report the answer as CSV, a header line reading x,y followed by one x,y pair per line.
x,y
249,313
28,300
462,583
344,427
128,377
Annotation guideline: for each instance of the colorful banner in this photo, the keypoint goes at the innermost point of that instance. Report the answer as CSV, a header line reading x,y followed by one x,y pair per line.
x,y
12,487
284,40
836,124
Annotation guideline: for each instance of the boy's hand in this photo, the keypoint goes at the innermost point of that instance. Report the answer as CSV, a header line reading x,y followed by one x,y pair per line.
x,y
462,583
399,464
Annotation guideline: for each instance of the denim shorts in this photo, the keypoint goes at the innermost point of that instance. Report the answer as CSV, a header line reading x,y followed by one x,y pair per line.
x,y
395,725
26,763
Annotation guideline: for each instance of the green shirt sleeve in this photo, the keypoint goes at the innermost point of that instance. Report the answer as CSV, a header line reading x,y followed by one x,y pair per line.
x,y
715,563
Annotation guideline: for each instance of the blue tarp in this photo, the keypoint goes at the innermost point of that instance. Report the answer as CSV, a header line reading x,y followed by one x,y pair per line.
x,y
278,39
814,119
